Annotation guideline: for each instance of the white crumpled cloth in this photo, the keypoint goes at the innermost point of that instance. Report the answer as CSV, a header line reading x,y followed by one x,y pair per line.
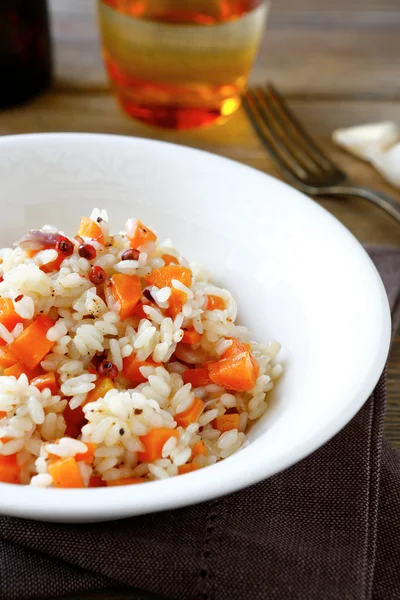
x,y
377,143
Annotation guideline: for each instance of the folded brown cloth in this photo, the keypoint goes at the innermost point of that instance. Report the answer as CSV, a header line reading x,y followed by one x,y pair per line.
x,y
328,528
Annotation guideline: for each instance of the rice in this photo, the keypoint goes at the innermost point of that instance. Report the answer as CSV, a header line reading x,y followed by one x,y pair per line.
x,y
111,391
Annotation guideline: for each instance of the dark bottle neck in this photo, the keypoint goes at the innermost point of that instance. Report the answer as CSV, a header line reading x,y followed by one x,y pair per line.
x,y
25,55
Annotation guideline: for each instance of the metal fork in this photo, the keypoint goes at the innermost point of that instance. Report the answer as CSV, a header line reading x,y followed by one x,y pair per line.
x,y
296,153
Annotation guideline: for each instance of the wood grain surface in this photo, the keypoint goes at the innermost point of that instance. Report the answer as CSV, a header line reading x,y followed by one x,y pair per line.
x,y
338,63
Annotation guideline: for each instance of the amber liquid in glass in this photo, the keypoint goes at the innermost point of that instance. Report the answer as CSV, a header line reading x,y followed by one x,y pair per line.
x,y
180,63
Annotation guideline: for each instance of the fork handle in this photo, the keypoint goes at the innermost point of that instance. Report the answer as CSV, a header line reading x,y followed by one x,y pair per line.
x,y
390,205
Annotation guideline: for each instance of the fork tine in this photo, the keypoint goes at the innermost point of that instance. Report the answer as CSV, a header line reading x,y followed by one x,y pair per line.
x,y
261,126
279,130
300,135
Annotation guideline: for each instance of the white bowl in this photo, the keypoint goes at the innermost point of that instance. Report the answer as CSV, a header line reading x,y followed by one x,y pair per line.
x,y
299,276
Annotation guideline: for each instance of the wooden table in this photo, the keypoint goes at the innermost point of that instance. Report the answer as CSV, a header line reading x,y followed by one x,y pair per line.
x,y
337,62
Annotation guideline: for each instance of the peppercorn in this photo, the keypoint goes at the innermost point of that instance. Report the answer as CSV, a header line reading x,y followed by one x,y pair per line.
x,y
87,251
130,254
107,369
97,275
64,245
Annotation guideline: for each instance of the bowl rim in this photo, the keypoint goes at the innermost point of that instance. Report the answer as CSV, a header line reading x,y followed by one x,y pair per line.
x,y
98,504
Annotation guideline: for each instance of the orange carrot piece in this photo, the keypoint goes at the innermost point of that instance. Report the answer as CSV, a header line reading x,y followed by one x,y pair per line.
x,y
47,380
32,345
126,481
191,336
197,377
215,302
238,373
187,468
2,414
75,420
199,448
89,228
153,443
191,414
142,236
87,456
237,347
8,317
169,259
175,303
138,311
16,370
163,277
65,473
237,370
131,368
127,291
226,422
7,358
101,387
9,469
19,368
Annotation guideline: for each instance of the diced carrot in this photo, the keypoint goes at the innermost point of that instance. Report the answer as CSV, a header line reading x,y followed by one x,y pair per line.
x,y
237,347
226,422
126,481
237,370
191,336
163,278
8,317
54,265
2,414
96,481
47,380
101,387
65,473
142,236
197,377
191,414
199,448
16,370
169,259
175,303
7,358
19,368
9,469
127,291
91,229
238,373
188,468
87,456
131,368
215,302
74,419
31,253
32,345
138,311
153,443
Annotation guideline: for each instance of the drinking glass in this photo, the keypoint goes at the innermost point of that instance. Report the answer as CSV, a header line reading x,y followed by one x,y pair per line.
x,y
180,63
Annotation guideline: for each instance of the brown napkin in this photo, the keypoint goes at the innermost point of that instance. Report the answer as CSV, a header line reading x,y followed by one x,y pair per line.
x,y
320,530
